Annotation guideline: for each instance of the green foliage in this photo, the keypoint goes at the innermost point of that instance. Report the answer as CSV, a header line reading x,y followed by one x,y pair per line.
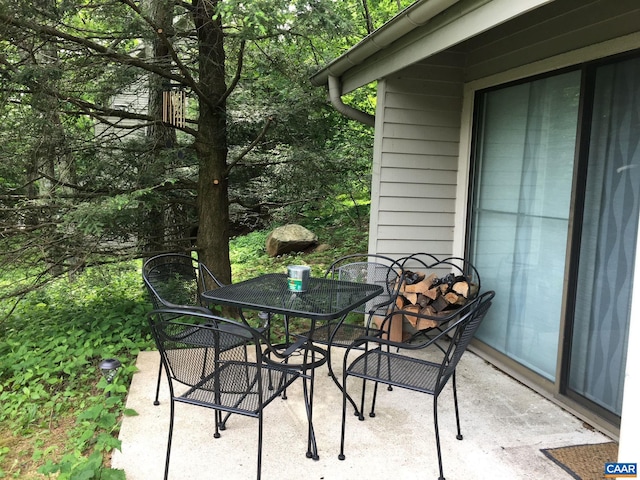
x,y
51,343
339,224
50,348
92,177
75,466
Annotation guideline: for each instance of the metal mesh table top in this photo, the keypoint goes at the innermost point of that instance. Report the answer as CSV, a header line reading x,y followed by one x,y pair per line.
x,y
326,299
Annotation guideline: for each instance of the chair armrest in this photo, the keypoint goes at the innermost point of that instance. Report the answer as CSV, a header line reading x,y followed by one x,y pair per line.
x,y
448,326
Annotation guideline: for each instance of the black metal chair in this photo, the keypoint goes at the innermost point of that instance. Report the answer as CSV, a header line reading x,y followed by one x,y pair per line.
x,y
403,368
360,268
175,280
209,355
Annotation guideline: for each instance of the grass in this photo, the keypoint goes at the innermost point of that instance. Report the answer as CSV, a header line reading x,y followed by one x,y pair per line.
x,y
56,420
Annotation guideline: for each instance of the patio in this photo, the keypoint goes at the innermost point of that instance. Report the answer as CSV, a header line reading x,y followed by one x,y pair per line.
x,y
504,424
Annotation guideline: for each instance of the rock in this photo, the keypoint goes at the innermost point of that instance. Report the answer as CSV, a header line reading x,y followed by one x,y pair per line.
x,y
289,238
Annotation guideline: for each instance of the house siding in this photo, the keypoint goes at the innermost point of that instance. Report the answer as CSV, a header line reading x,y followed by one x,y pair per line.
x,y
416,159
495,42
135,99
421,168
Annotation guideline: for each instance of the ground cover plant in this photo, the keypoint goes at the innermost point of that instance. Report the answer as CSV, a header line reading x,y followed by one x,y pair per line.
x,y
58,417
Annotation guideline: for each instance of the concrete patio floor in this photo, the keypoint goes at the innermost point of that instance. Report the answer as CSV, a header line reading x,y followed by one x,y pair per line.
x,y
504,425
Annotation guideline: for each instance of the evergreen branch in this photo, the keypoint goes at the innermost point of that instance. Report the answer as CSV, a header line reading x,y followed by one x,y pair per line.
x,y
101,50
270,119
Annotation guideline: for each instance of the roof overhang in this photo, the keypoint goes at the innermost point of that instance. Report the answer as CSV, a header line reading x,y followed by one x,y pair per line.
x,y
418,32
409,19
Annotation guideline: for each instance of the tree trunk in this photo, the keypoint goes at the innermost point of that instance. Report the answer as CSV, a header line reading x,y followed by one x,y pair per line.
x,y
211,144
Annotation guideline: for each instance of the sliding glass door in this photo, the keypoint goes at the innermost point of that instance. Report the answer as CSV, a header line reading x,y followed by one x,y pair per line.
x,y
529,168
521,214
608,239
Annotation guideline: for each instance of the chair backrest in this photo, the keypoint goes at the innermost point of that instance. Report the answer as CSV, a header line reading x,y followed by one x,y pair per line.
x,y
461,332
210,353
455,266
374,269
176,280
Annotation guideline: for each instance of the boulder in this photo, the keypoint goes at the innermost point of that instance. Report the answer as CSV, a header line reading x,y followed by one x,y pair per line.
x,y
290,238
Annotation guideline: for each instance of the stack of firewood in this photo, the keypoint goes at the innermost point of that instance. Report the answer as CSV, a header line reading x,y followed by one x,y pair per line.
x,y
432,296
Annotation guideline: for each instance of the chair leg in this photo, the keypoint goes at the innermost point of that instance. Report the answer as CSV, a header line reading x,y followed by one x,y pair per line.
x,y
332,375
435,423
344,415
455,405
389,387
364,384
156,401
387,336
361,411
372,413
217,415
166,463
223,421
259,473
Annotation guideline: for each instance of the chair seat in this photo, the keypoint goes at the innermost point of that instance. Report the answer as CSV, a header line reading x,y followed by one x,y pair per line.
x,y
344,336
197,336
397,370
238,391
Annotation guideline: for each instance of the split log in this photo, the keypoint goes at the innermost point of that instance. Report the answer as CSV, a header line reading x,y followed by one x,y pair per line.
x,y
440,303
433,293
462,288
412,298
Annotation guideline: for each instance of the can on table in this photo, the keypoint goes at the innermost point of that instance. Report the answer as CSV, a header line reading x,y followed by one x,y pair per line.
x,y
298,277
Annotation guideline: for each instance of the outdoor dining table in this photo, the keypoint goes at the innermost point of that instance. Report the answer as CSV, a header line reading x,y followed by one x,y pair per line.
x,y
324,300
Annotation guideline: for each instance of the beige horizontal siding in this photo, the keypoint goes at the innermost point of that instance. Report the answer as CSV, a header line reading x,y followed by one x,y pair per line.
x,y
412,232
416,218
397,248
418,150
423,132
430,103
414,191
416,161
433,147
413,176
417,117
435,205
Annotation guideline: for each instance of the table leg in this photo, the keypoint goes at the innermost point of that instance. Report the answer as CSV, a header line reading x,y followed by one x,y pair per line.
x,y
356,410
312,446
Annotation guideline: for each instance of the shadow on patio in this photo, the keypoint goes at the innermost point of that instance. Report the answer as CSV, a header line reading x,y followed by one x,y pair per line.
x,y
504,425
